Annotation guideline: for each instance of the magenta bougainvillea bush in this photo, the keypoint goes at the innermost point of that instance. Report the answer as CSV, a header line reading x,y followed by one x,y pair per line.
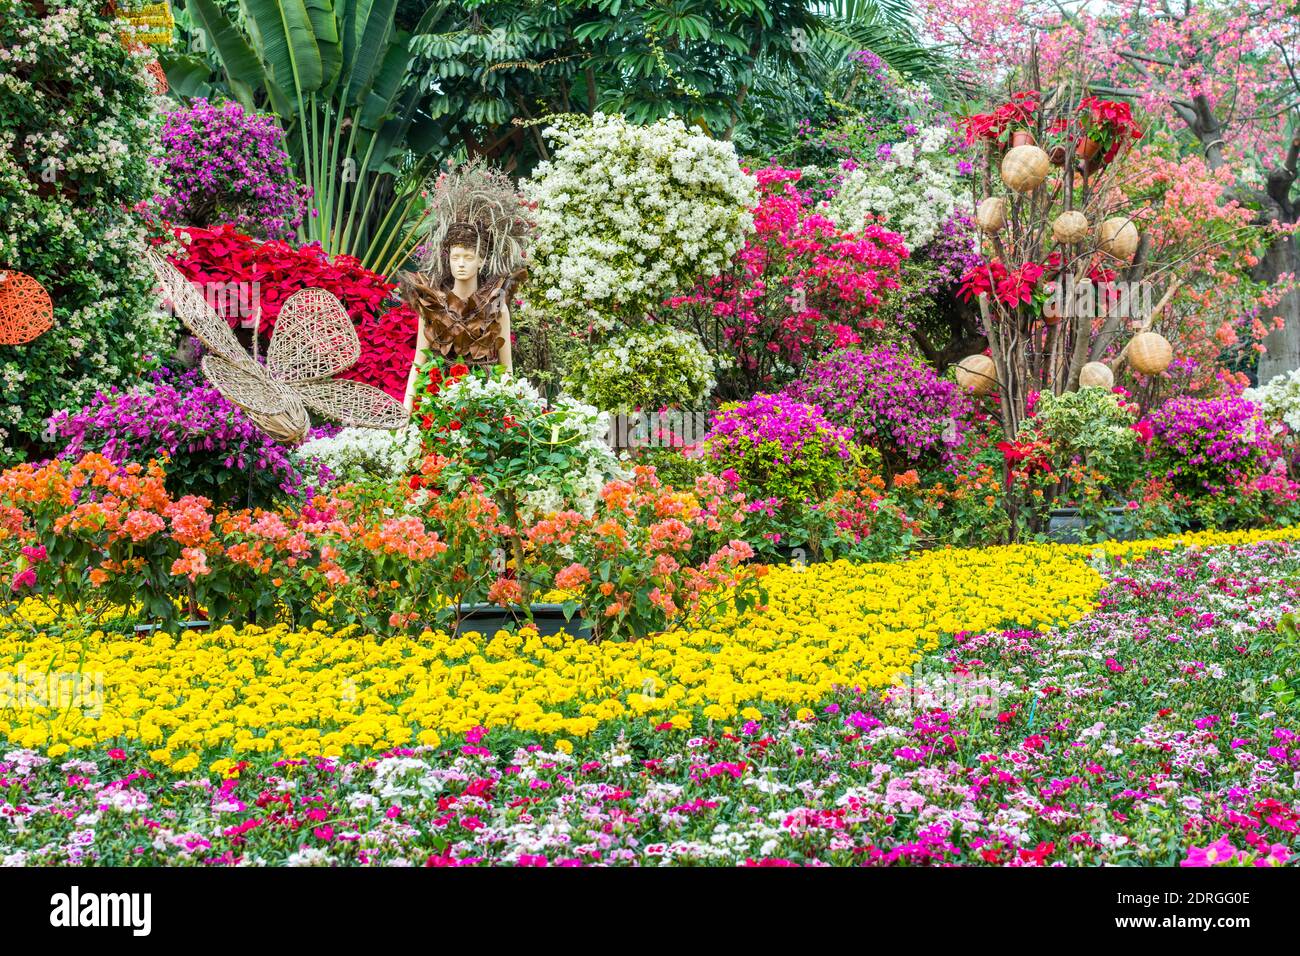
x,y
775,446
892,401
269,272
799,286
213,447
1208,444
220,164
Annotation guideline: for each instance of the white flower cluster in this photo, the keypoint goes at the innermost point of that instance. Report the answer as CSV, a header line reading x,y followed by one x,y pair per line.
x,y
645,369
1279,399
575,459
363,454
627,215
914,188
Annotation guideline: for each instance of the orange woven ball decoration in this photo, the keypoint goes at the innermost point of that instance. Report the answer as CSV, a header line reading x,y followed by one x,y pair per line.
x,y
991,214
1119,238
1096,375
1070,227
26,311
1024,168
159,76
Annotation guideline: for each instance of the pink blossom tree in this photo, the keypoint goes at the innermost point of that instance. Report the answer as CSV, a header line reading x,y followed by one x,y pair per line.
x,y
1223,76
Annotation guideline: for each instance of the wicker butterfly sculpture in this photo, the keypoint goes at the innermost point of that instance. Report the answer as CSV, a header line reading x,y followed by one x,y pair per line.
x,y
313,341
26,310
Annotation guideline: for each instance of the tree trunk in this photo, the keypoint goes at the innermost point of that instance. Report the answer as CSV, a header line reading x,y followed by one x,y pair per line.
x,y
1283,346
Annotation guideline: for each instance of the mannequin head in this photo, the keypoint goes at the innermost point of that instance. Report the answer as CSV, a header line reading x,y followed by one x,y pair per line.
x,y
464,250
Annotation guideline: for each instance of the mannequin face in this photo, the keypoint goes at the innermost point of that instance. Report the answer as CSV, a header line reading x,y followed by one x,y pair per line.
x,y
464,262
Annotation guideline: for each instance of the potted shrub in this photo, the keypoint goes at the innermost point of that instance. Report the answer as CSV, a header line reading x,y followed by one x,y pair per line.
x,y
1089,453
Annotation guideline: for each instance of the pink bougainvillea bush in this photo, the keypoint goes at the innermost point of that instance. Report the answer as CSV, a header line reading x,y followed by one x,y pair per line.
x,y
249,274
799,286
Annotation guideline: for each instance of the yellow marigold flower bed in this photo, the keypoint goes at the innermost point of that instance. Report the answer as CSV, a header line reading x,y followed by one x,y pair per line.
x,y
197,695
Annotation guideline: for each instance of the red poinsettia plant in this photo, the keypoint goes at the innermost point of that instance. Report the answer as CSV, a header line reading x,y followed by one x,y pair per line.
x,y
1011,287
259,276
1008,286
1109,123
996,127
1027,459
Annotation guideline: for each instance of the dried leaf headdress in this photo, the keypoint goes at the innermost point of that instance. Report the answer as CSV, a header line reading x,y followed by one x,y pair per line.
x,y
474,194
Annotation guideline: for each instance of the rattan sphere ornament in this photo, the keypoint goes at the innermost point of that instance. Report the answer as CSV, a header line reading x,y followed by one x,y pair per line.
x,y
991,214
1096,375
1070,227
1150,353
977,373
1024,168
1118,237
26,311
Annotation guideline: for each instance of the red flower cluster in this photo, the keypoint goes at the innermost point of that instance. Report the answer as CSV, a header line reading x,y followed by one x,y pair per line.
x,y
225,258
1110,123
1008,286
1113,117
994,127
1024,458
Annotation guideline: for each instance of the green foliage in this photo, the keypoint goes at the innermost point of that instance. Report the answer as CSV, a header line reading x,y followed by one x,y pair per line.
x,y
75,134
673,467
645,369
1091,437
508,62
766,470
532,456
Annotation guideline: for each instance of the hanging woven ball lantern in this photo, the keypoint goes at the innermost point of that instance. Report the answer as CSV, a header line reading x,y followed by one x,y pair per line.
x,y
1070,227
1150,353
977,373
1024,168
1096,375
26,311
1118,237
991,214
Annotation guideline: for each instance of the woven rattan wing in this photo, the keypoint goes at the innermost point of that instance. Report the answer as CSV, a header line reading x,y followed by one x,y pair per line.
x,y
199,317
289,426
313,338
248,386
353,403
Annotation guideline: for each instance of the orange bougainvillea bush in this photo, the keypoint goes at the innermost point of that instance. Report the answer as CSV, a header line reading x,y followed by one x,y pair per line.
x,y
103,537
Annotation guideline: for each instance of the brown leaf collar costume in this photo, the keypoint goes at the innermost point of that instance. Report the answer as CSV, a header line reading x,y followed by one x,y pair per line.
x,y
459,330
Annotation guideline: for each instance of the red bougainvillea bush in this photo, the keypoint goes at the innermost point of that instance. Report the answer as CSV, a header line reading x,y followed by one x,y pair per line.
x,y
247,273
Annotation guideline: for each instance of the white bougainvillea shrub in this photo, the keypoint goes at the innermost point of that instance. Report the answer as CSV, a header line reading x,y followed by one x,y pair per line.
x,y
627,215
913,188
1279,399
364,454
647,368
76,130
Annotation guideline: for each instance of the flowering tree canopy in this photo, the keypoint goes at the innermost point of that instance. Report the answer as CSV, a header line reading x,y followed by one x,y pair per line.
x,y
1221,75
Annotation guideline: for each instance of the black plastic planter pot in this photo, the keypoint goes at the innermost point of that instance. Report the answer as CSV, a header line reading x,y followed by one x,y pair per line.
x,y
797,554
184,626
549,619
1066,524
